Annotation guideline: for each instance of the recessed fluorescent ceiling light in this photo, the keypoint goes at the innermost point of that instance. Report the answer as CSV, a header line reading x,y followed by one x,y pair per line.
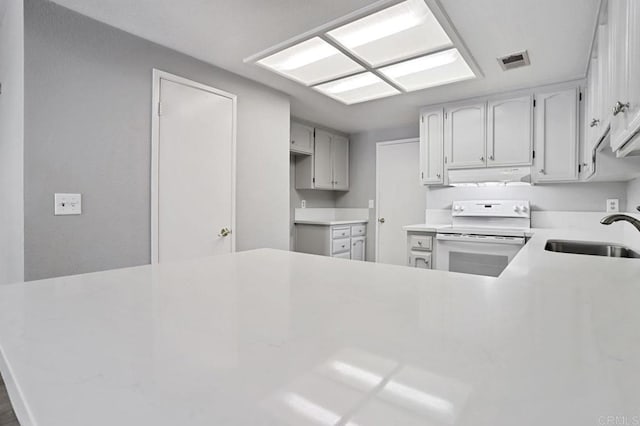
x,y
310,62
428,71
394,50
357,88
401,31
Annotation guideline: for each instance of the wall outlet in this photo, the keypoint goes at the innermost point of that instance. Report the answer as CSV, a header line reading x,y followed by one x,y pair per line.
x,y
303,204
613,205
372,204
67,204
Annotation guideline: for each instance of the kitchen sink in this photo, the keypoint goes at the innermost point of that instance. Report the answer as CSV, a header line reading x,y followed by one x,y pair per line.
x,y
590,248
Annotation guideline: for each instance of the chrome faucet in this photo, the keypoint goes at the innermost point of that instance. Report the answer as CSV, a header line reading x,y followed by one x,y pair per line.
x,y
608,220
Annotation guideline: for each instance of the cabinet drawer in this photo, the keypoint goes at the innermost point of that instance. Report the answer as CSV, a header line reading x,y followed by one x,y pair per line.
x,y
421,242
338,246
358,230
340,232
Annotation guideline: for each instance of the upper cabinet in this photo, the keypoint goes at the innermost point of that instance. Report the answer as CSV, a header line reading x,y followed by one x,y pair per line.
x,y
465,135
328,165
624,45
301,139
556,136
322,161
510,132
340,162
432,146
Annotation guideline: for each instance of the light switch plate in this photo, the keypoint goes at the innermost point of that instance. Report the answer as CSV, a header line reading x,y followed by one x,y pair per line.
x,y
371,204
613,205
67,204
303,204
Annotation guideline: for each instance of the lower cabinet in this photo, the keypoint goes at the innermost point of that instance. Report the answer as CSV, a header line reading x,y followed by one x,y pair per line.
x,y
420,249
347,241
358,248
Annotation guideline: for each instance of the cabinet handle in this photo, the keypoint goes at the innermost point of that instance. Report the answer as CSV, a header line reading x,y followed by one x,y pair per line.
x,y
491,157
541,171
438,175
482,159
594,122
620,107
293,142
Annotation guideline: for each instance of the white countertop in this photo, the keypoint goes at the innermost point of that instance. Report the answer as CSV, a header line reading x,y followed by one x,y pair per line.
x,y
330,222
300,339
425,227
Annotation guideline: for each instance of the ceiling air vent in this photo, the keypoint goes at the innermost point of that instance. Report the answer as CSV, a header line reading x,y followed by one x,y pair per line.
x,y
515,60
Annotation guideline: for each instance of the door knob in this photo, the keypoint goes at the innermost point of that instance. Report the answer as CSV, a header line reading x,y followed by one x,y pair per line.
x,y
381,220
224,232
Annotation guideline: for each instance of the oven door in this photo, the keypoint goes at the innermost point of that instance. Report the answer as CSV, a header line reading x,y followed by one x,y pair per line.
x,y
476,254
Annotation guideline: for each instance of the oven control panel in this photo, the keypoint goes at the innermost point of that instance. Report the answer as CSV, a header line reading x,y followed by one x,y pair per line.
x,y
491,208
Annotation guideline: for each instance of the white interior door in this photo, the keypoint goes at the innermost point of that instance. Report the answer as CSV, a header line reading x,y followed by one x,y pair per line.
x,y
401,198
194,197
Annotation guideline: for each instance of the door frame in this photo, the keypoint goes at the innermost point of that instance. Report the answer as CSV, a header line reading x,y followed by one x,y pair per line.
x,y
159,75
378,146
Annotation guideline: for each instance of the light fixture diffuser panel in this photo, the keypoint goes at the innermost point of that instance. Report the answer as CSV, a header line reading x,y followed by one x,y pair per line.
x,y
311,62
402,31
428,71
358,88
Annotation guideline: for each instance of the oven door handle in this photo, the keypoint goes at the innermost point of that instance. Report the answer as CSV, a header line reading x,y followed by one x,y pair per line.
x,y
481,239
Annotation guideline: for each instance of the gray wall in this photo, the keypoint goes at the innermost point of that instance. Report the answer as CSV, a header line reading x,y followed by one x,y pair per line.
x,y
633,195
362,173
11,141
88,108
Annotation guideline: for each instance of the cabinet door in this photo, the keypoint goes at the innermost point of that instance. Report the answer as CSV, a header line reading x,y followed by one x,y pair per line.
x,y
510,132
340,159
631,115
556,136
592,120
358,248
432,147
618,17
322,161
465,136
603,105
301,139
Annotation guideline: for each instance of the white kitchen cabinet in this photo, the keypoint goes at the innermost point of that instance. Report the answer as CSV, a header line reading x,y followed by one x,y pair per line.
x,y
347,241
432,146
465,135
624,19
328,166
509,132
358,248
420,249
591,128
603,92
340,162
556,136
323,160
301,139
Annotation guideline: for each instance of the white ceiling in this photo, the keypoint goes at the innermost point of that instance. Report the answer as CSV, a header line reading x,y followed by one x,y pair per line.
x,y
557,33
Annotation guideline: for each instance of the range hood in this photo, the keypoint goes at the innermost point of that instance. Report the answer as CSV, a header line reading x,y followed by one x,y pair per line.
x,y
487,176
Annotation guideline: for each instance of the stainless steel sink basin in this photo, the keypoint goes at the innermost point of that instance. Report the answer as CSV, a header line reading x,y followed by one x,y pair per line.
x,y
591,249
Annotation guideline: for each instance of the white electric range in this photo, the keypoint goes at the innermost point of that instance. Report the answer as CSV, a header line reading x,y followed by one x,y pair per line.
x,y
484,236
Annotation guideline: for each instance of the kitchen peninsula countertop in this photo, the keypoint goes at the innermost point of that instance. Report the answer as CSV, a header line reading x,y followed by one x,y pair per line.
x,y
300,339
